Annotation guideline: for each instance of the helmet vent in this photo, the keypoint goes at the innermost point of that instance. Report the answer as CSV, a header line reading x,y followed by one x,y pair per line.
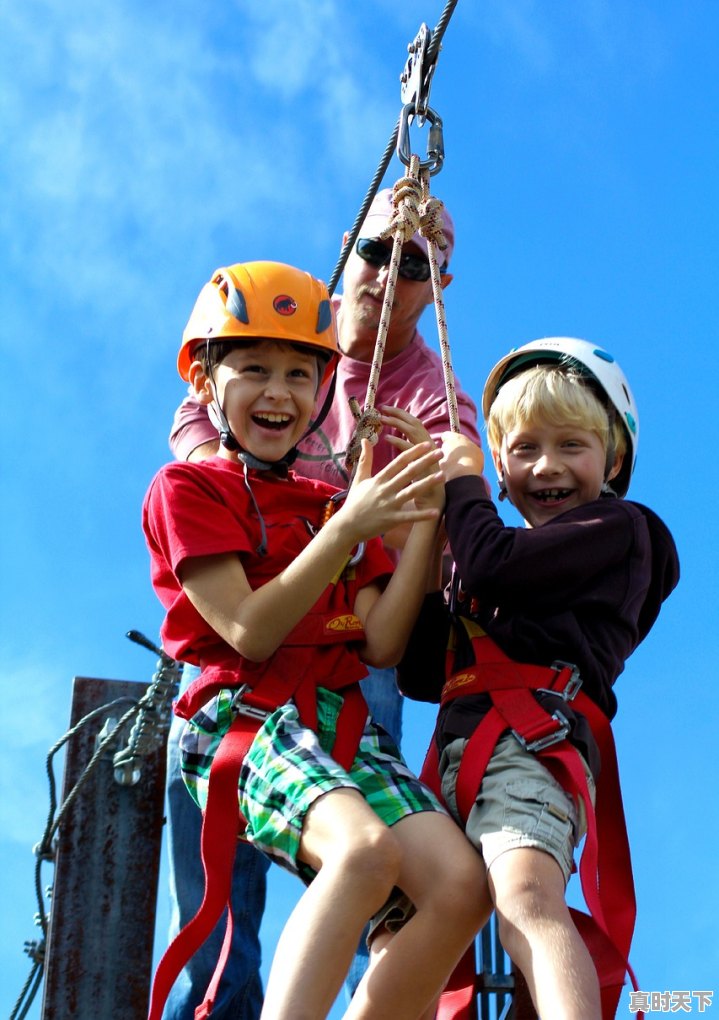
x,y
235,304
324,316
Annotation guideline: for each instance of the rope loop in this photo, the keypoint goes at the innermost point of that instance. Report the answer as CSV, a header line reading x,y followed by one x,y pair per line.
x,y
433,232
431,226
415,209
368,425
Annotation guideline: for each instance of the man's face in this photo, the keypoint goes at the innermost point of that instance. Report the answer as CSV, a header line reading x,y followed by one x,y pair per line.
x,y
363,296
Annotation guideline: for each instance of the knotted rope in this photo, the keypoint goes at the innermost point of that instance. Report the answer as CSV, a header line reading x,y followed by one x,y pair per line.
x,y
431,230
414,210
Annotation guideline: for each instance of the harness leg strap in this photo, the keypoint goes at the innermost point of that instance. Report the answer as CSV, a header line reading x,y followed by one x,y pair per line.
x,y
220,831
605,867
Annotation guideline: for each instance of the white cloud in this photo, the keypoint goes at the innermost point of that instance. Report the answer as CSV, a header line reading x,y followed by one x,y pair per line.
x,y
35,700
135,147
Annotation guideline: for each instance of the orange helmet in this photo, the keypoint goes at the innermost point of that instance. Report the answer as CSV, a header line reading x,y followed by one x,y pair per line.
x,y
266,300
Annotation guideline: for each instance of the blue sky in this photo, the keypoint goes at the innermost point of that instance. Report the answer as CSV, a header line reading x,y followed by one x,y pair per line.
x,y
145,145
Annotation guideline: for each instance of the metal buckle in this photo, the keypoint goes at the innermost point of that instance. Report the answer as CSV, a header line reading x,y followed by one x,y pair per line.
x,y
571,688
551,738
354,560
249,710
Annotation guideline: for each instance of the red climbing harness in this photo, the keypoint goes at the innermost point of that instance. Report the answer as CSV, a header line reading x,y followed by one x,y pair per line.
x,y
292,672
605,866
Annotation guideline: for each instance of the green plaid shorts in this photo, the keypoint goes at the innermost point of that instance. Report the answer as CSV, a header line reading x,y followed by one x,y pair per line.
x,y
289,766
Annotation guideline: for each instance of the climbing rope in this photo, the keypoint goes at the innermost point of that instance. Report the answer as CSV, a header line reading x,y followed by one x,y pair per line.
x,y
416,80
431,229
414,210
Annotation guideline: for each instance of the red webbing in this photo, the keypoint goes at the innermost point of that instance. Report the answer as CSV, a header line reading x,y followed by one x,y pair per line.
x,y
605,868
220,830
222,824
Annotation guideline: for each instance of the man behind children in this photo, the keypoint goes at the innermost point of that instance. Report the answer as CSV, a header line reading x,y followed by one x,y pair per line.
x,y
411,378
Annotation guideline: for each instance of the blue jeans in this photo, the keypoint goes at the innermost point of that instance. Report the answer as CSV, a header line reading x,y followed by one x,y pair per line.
x,y
239,996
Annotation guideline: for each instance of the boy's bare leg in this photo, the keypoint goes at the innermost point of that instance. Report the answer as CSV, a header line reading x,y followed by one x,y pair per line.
x,y
357,859
445,878
539,935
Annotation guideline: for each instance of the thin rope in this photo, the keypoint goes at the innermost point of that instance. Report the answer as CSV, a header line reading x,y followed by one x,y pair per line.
x,y
403,225
431,230
414,210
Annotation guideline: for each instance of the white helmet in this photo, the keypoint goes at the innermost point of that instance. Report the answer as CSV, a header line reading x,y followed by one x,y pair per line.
x,y
591,361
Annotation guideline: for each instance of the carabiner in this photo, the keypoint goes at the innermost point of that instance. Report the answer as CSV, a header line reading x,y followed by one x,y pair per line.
x,y
435,141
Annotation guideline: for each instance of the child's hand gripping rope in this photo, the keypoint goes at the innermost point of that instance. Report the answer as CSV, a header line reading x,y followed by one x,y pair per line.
x,y
409,489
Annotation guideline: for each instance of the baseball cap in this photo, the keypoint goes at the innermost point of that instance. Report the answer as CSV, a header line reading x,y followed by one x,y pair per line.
x,y
380,213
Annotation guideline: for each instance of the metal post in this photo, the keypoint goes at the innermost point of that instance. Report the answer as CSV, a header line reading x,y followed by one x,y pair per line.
x,y
99,955
522,1005
502,992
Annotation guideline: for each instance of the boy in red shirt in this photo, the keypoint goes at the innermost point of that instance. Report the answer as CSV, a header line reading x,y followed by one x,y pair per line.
x,y
264,589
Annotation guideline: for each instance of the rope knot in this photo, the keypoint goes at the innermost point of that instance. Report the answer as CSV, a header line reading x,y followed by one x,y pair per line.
x,y
431,226
368,425
405,221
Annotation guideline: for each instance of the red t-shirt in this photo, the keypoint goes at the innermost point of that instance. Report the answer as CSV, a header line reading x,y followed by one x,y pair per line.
x,y
206,508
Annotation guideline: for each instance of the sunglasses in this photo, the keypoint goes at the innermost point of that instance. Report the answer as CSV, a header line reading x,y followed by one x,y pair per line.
x,y
411,266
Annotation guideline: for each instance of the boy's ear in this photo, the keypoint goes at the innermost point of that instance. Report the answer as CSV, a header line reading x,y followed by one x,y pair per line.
x,y
200,383
498,466
615,468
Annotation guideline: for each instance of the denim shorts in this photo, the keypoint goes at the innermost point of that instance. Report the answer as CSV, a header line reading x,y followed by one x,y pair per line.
x,y
289,766
520,804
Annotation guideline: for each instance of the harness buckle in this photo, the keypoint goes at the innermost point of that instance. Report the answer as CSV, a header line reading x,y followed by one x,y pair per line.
x,y
571,688
550,738
250,710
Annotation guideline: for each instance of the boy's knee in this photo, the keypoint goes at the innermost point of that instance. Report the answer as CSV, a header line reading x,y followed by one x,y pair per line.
x,y
528,900
373,858
465,892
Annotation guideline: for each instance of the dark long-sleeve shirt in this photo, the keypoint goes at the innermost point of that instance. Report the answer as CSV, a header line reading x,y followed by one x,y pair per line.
x,y
584,588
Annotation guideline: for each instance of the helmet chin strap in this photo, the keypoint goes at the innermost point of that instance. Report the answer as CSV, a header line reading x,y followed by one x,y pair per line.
x,y
503,494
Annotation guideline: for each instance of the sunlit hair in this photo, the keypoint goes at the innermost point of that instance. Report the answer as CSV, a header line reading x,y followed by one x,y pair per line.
x,y
557,395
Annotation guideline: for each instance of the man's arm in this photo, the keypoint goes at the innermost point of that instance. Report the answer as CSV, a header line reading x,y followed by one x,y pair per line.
x,y
193,436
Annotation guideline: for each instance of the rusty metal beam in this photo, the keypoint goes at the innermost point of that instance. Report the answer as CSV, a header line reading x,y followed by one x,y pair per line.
x,y
99,954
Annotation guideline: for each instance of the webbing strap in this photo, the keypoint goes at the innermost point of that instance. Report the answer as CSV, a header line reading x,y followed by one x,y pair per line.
x,y
220,830
208,1003
605,868
457,999
222,824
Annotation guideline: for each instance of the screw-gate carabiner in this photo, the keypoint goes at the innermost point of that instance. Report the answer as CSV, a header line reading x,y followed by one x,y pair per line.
x,y
435,141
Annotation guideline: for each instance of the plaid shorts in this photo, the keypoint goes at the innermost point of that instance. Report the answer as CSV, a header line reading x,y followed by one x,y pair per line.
x,y
289,766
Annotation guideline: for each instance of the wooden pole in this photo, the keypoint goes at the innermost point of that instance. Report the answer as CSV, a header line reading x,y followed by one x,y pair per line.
x,y
102,918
